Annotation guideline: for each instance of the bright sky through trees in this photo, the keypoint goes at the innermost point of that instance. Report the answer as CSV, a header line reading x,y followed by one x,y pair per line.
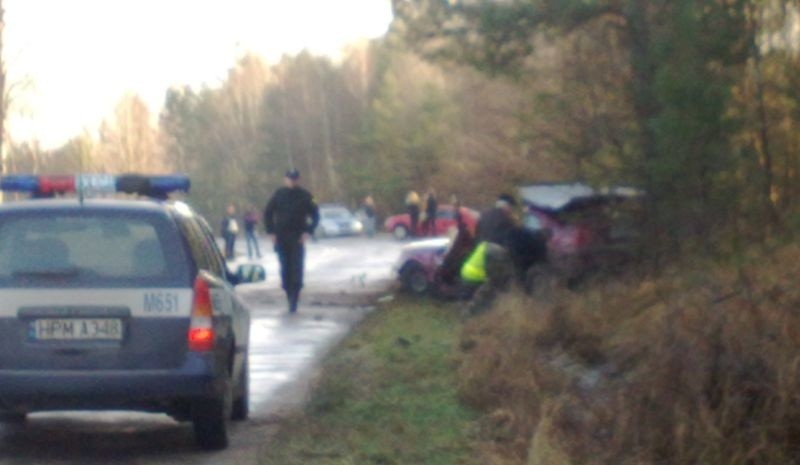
x,y
81,56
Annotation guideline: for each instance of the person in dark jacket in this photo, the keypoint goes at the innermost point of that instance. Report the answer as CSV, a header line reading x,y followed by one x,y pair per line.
x,y
493,236
495,223
228,230
449,271
290,217
431,208
250,237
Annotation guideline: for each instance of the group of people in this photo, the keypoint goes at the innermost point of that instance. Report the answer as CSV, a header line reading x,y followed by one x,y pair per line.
x,y
499,247
229,230
500,251
422,212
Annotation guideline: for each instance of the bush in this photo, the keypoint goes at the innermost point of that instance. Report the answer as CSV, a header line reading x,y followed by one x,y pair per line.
x,y
698,366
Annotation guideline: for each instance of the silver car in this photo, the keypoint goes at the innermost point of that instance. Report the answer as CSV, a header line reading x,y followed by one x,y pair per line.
x,y
337,220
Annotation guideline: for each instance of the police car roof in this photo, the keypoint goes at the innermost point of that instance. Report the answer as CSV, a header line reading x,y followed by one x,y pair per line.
x,y
87,203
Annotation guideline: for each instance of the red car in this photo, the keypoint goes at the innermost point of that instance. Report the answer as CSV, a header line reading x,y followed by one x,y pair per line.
x,y
400,225
586,229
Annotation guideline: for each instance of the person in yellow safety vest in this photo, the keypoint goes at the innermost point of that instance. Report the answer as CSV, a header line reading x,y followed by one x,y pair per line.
x,y
473,270
489,269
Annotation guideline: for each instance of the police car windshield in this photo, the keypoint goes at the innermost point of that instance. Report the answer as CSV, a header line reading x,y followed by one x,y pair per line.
x,y
84,248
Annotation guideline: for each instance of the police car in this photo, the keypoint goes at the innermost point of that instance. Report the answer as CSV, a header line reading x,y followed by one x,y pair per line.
x,y
119,303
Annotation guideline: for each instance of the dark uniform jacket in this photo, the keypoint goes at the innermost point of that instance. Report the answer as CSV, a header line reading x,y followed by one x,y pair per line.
x,y
431,207
494,226
291,212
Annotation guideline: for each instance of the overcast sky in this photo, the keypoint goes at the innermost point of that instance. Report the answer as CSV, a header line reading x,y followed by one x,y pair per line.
x,y
81,56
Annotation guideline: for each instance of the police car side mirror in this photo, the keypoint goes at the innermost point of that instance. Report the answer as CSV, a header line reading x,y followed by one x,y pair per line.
x,y
250,273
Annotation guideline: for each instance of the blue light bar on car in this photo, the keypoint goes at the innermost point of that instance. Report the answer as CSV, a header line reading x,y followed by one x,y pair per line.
x,y
87,184
170,183
152,186
19,183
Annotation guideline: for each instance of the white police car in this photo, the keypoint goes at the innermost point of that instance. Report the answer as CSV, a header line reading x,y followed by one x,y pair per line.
x,y
119,304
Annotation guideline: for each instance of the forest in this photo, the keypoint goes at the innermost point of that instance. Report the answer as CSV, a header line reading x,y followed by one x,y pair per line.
x,y
694,102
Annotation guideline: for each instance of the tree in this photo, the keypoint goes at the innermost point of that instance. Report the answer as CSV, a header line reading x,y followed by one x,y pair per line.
x,y
682,56
128,141
215,136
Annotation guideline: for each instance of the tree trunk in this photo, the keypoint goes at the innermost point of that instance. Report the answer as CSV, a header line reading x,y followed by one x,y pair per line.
x,y
3,103
768,186
646,108
333,179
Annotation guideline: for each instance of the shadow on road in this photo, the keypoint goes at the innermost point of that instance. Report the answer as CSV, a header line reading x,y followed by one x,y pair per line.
x,y
94,437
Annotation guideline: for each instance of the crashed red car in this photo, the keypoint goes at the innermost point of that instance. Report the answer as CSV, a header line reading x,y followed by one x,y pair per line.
x,y
400,225
586,229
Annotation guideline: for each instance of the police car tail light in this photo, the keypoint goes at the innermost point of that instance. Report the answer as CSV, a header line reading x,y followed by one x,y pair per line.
x,y
201,330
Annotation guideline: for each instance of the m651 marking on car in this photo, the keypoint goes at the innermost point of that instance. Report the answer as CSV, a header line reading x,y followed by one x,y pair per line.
x,y
161,302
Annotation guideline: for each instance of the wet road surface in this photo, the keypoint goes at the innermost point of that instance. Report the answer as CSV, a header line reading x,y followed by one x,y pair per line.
x,y
342,277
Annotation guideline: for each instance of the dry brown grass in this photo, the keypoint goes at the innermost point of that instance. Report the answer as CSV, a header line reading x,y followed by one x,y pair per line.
x,y
698,366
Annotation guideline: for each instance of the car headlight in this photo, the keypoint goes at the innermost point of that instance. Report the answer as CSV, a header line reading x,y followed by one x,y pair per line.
x,y
357,226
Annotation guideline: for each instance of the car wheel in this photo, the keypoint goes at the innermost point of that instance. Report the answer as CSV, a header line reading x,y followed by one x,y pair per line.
x,y
415,281
400,232
210,419
241,404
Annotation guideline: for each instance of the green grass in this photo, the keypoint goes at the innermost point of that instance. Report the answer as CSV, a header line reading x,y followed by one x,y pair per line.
x,y
386,396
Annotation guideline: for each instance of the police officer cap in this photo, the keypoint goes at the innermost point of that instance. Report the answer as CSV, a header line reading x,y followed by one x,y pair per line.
x,y
293,174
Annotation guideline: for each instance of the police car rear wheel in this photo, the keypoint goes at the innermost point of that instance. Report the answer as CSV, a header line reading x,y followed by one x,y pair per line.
x,y
210,419
241,405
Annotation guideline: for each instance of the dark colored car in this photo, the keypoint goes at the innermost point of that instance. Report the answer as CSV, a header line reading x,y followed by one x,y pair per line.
x,y
119,304
400,225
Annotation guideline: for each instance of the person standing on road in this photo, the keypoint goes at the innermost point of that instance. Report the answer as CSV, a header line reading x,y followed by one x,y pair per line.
x,y
290,217
412,207
369,215
431,208
229,229
250,223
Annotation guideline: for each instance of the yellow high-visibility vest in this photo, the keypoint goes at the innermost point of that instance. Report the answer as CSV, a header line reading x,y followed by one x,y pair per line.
x,y
474,268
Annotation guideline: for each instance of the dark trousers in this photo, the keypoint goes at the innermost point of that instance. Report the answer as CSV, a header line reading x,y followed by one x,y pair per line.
x,y
291,254
429,227
413,214
230,240
252,242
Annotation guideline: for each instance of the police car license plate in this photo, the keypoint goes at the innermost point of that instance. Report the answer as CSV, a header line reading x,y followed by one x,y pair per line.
x,y
76,329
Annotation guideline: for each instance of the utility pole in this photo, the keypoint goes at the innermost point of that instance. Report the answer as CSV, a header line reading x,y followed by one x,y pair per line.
x,y
3,103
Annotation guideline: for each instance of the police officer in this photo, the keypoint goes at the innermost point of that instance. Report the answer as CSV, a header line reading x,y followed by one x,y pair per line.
x,y
290,217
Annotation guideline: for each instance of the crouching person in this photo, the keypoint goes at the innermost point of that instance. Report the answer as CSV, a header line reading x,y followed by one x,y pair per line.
x,y
489,270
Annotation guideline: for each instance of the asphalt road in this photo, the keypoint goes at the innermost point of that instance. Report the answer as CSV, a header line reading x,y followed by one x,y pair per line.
x,y
342,277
